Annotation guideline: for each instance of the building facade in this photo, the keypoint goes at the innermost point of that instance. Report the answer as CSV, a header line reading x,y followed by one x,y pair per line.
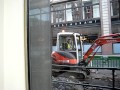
x,y
91,18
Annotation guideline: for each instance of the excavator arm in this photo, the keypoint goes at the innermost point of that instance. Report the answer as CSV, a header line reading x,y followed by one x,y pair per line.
x,y
112,38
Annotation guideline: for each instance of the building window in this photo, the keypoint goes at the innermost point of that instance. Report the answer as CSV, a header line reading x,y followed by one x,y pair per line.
x,y
68,11
116,48
90,9
114,7
58,13
75,11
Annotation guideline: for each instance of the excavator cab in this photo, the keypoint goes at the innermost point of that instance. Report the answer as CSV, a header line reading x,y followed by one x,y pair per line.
x,y
69,44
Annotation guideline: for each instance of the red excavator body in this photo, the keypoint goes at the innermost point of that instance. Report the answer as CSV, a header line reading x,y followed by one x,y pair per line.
x,y
61,57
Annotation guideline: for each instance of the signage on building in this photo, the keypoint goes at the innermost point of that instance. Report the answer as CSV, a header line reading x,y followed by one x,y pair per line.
x,y
76,23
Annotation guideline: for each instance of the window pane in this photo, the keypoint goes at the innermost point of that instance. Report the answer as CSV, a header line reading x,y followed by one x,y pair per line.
x,y
34,11
87,12
114,8
96,12
44,10
75,10
84,2
44,17
69,15
68,5
116,48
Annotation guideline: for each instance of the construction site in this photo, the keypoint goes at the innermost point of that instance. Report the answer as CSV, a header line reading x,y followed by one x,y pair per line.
x,y
94,51
82,44
70,66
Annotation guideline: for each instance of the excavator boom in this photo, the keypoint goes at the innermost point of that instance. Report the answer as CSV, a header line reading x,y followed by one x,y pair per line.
x,y
112,38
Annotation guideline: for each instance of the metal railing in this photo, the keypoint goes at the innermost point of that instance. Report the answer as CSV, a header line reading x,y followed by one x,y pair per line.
x,y
100,61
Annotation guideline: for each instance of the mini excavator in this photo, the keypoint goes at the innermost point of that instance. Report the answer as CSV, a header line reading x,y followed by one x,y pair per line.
x,y
73,55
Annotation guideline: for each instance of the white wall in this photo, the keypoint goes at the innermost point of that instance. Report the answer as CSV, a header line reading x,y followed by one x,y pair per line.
x,y
1,46
12,67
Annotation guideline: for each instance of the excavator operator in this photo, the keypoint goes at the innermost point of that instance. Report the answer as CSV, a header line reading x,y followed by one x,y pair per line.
x,y
69,44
